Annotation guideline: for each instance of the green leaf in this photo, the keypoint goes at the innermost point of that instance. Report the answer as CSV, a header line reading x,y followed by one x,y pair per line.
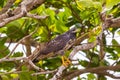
x,y
2,41
60,27
91,77
98,6
14,75
3,29
118,32
2,3
102,78
82,4
53,63
114,42
17,54
112,53
27,76
7,66
95,60
4,51
111,3
43,33
4,77
83,63
92,39
14,31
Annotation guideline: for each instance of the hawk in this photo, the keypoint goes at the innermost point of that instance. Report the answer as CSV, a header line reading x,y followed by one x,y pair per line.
x,y
57,44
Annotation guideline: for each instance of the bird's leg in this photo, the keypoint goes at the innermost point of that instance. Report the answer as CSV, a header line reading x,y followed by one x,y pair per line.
x,y
65,61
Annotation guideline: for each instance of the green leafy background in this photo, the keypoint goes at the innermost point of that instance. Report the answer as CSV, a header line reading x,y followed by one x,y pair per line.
x,y
62,15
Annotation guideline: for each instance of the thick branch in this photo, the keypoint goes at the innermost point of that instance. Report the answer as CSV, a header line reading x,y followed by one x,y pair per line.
x,y
111,22
19,12
96,70
12,59
82,47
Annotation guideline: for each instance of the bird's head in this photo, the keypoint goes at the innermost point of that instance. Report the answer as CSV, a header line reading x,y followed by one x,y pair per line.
x,y
72,32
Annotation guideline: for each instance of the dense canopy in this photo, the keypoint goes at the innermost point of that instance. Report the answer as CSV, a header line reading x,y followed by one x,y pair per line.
x,y
94,53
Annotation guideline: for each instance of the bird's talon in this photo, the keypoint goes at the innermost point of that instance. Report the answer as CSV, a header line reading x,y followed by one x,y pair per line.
x,y
65,61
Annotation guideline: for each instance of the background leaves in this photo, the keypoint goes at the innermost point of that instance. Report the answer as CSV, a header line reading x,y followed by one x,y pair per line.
x,y
62,14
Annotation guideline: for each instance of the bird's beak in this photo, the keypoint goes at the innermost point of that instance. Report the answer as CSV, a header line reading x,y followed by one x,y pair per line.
x,y
77,30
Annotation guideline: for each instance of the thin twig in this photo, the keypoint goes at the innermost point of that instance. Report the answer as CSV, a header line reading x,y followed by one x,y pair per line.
x,y
45,72
20,42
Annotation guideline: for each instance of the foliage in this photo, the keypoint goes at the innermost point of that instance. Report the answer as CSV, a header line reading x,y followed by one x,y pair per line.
x,y
84,14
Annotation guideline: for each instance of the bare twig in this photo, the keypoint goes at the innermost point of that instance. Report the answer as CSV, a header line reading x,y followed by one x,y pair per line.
x,y
34,66
36,16
19,43
45,72
82,47
12,59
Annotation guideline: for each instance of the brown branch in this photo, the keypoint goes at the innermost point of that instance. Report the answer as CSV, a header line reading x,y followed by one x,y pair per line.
x,y
27,46
7,6
111,22
36,16
115,22
59,72
7,20
33,43
82,47
19,12
19,43
97,70
33,65
45,72
12,59
26,59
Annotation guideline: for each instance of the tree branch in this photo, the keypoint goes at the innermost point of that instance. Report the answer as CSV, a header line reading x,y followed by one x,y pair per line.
x,y
26,6
45,72
7,6
20,41
97,70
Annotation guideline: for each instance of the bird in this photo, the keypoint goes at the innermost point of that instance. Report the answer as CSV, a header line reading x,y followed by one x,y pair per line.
x,y
57,43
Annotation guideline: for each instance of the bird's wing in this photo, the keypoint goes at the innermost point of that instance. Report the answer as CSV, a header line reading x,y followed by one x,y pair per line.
x,y
55,45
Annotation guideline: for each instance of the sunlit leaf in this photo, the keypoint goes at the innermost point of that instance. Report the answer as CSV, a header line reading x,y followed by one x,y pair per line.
x,y
27,76
110,3
91,77
82,4
14,75
4,77
17,1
